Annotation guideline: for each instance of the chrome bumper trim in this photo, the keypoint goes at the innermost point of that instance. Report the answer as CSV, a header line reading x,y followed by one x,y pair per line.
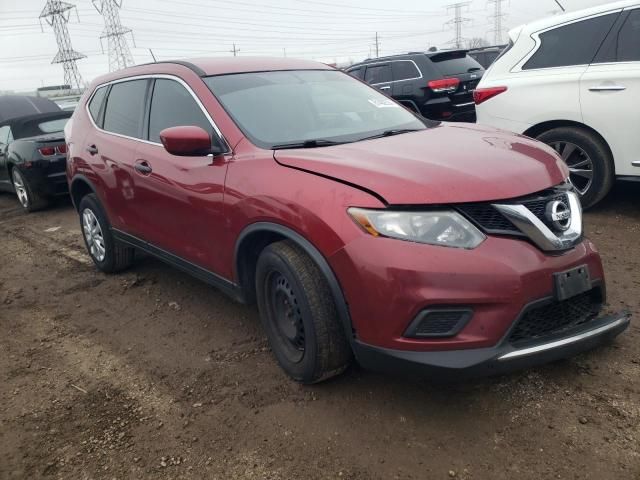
x,y
564,341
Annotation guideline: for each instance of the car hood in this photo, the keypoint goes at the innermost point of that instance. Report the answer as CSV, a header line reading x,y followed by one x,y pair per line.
x,y
450,163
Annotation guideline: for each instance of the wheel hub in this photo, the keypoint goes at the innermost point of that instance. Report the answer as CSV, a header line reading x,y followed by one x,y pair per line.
x,y
93,235
579,163
21,190
286,316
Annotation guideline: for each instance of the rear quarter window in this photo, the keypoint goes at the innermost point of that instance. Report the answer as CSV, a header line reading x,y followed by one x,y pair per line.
x,y
96,103
573,44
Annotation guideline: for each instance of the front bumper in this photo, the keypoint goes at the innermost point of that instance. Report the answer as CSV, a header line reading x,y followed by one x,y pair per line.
x,y
504,358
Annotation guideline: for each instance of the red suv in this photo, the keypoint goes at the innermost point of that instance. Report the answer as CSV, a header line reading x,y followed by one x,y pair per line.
x,y
359,228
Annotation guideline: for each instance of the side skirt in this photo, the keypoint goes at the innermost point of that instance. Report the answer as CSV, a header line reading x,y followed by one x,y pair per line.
x,y
213,279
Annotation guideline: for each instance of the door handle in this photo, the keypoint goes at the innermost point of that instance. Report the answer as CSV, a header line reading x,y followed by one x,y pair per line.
x,y
143,167
607,88
92,149
385,88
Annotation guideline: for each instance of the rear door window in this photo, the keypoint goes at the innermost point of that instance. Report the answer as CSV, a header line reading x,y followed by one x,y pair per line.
x,y
404,70
125,108
96,103
173,106
378,73
573,44
450,64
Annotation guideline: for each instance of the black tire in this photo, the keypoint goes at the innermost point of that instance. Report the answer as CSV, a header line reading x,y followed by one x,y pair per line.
x,y
598,152
31,200
117,256
292,291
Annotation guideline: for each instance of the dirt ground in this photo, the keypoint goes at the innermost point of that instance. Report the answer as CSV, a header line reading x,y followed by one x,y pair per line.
x,y
152,374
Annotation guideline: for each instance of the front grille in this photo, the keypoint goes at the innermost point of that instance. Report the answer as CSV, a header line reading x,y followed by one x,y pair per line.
x,y
557,317
539,206
488,218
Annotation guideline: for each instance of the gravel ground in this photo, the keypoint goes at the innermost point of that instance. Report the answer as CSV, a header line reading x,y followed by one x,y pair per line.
x,y
152,374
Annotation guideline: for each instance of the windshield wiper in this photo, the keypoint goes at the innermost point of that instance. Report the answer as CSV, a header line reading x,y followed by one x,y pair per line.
x,y
307,144
390,133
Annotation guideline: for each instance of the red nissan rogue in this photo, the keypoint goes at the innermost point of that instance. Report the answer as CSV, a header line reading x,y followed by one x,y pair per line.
x,y
359,228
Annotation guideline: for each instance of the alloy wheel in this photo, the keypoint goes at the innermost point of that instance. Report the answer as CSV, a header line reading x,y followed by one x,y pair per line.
x,y
579,163
93,235
21,189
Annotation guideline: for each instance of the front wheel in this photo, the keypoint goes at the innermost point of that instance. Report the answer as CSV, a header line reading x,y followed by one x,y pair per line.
x,y
299,314
590,164
107,253
29,198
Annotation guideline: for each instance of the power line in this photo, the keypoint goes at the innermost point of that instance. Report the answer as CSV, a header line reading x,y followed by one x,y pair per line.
x,y
457,21
118,48
497,18
235,50
56,14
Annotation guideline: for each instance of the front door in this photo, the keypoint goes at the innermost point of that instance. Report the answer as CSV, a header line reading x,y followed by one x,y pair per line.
x,y
180,198
610,93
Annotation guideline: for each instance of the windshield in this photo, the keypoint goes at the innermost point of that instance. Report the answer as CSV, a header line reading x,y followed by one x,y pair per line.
x,y
293,107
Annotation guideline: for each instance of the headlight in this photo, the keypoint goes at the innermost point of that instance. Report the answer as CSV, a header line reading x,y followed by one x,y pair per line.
x,y
439,227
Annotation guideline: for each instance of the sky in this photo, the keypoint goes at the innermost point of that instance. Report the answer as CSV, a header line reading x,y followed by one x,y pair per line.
x,y
325,30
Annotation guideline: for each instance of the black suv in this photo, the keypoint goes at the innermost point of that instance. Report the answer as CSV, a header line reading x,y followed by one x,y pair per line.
x,y
438,85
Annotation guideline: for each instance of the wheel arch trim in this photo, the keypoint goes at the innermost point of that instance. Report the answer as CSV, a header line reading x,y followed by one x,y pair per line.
x,y
316,256
77,179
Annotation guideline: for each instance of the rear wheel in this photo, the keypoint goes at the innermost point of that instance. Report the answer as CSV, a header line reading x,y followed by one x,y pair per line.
x,y
29,198
588,158
107,253
299,314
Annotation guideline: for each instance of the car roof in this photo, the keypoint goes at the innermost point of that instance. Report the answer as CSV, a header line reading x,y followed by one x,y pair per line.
x,y
402,56
554,20
209,66
17,106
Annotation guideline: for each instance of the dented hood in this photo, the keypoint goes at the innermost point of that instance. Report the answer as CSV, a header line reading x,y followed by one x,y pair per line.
x,y
450,163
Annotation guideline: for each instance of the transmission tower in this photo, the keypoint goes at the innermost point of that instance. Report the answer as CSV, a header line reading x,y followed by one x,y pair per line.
x,y
497,18
56,13
119,52
457,21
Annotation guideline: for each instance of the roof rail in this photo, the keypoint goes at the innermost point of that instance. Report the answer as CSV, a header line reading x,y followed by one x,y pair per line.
x,y
194,68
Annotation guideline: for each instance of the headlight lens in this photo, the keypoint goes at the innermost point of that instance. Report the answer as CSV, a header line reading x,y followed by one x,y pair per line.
x,y
446,228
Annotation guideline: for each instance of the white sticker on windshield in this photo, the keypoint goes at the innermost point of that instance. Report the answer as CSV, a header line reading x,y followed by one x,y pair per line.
x,y
383,103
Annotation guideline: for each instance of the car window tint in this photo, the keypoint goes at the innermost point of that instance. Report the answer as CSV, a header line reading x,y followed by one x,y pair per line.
x,y
454,63
574,44
96,103
378,73
404,70
624,46
125,107
173,106
356,72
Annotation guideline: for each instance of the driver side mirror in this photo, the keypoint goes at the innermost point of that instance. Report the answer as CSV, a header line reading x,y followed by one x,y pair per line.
x,y
188,141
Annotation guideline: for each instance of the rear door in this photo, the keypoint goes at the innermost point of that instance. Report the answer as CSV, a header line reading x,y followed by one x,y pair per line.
x,y
407,82
379,75
610,92
110,149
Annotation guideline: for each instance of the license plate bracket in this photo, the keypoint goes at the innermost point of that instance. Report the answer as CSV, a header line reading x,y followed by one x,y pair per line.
x,y
572,282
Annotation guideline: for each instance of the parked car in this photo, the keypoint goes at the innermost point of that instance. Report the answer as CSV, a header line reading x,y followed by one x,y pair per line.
x,y
357,226
437,85
573,82
485,56
33,157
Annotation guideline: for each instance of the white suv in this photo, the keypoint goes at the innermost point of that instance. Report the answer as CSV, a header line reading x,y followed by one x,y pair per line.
x,y
573,82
